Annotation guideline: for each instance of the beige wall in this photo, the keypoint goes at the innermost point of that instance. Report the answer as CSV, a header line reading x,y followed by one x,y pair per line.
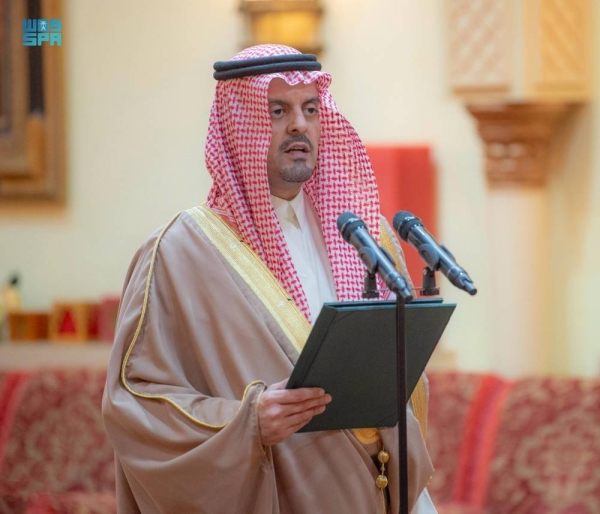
x,y
139,89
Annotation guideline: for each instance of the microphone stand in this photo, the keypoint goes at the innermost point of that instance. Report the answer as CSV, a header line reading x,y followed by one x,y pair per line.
x,y
371,291
401,401
429,286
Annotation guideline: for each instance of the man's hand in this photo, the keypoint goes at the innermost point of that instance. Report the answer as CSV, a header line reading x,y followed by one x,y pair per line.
x,y
282,412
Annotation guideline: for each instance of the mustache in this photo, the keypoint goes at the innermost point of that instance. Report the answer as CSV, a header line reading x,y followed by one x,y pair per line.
x,y
302,138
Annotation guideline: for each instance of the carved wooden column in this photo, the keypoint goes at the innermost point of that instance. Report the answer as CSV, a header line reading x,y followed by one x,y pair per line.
x,y
519,66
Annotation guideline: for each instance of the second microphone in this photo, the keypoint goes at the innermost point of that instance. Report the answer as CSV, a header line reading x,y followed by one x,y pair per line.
x,y
355,232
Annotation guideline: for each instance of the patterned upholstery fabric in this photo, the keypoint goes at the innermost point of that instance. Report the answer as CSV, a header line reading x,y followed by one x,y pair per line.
x,y
52,442
60,503
458,402
547,449
526,447
531,446
74,503
458,508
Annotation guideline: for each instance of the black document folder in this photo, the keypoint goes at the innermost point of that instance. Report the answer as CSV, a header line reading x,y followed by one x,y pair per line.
x,y
351,354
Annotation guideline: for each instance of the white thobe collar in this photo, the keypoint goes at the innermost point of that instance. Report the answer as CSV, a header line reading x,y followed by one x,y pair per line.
x,y
304,237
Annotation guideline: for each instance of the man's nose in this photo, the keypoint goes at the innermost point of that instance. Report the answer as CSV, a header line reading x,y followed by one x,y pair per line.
x,y
298,123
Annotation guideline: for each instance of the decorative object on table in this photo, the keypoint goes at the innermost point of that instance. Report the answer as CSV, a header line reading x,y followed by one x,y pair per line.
x,y
10,301
74,322
28,326
107,318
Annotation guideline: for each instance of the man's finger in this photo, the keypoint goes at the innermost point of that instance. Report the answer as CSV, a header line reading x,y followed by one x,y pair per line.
x,y
298,395
294,408
304,419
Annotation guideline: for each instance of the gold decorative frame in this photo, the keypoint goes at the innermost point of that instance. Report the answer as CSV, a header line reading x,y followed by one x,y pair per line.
x,y
32,148
294,23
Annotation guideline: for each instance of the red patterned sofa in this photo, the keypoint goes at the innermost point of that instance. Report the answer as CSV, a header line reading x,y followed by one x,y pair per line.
x,y
530,446
54,454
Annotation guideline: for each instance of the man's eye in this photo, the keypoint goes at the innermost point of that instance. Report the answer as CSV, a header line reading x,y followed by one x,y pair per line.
x,y
276,112
312,110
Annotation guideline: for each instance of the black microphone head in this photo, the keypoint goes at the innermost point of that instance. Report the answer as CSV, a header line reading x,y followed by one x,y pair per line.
x,y
403,221
347,223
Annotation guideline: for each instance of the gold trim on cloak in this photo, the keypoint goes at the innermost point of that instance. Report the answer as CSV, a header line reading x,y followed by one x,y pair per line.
x,y
255,273
136,335
282,308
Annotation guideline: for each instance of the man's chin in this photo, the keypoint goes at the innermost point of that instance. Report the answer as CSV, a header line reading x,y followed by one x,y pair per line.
x,y
297,174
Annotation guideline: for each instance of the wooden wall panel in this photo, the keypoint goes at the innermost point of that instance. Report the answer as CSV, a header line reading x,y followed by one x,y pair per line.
x,y
32,139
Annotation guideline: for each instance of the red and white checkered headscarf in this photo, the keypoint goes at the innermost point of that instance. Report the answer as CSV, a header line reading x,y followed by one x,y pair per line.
x,y
236,151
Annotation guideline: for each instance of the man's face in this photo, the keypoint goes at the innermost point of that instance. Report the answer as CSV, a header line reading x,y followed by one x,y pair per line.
x,y
293,152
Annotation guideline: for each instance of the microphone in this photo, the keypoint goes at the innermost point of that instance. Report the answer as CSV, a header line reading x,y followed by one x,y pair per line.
x,y
411,229
355,232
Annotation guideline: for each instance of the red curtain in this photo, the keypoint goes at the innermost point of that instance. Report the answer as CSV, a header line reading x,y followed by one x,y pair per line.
x,y
407,182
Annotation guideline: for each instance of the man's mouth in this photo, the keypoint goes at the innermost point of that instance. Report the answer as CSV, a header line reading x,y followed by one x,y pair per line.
x,y
297,149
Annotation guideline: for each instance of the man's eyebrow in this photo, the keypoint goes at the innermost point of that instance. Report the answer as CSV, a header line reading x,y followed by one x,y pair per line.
x,y
314,99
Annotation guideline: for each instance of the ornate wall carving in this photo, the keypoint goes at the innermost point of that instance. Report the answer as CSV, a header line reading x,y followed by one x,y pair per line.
x,y
519,50
517,139
519,65
478,44
557,38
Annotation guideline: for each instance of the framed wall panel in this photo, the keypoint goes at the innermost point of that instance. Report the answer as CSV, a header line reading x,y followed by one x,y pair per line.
x,y
32,149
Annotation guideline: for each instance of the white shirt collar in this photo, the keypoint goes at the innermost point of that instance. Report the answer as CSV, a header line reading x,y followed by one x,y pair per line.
x,y
292,211
304,238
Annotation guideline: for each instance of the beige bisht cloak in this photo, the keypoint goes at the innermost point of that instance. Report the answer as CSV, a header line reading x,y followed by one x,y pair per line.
x,y
203,327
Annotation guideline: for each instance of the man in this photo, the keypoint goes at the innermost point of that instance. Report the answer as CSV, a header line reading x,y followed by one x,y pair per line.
x,y
218,303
